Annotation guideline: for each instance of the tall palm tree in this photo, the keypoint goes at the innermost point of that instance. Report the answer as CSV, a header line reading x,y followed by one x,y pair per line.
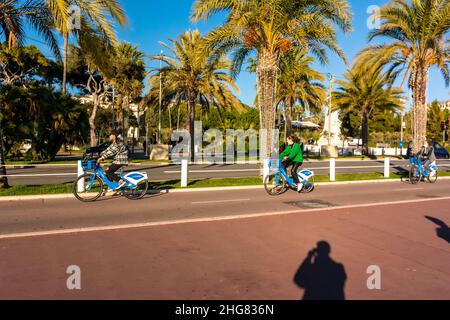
x,y
128,74
99,14
300,84
418,32
367,93
14,14
195,76
270,29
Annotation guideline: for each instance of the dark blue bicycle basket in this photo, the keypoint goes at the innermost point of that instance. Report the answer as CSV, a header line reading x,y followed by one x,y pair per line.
x,y
88,164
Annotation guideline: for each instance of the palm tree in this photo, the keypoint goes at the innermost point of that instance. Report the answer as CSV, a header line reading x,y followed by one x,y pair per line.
x,y
195,76
98,14
367,93
417,30
14,14
271,29
127,76
299,84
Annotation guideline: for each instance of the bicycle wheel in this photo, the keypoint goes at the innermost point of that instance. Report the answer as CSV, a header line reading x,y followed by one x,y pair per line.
x,y
137,193
433,178
90,192
415,176
309,187
275,185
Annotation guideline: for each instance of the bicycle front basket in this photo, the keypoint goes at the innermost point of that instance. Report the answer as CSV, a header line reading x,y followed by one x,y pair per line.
x,y
274,166
88,164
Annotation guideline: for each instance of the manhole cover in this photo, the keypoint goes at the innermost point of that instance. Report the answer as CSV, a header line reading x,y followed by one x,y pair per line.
x,y
426,196
311,204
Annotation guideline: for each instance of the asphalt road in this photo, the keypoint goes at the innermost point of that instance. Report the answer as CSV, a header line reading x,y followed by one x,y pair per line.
x,y
229,244
55,174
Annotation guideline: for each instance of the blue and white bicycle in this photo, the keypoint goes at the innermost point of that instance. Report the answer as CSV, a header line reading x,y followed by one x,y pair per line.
x,y
279,182
92,185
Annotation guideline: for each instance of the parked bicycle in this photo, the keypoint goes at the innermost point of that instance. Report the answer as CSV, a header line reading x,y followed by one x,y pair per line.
x,y
93,185
279,182
418,172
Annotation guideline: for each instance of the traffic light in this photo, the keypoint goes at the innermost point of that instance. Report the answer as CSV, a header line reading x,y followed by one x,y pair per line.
x,y
443,125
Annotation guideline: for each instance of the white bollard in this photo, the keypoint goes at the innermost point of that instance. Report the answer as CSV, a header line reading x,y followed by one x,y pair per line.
x,y
266,169
332,169
80,172
387,167
184,173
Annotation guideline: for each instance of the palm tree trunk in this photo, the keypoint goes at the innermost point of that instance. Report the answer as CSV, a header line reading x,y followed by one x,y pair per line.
x,y
191,111
3,178
267,77
420,108
288,115
66,55
365,131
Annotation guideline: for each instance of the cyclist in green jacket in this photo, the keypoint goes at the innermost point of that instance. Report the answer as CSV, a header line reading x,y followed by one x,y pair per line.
x,y
293,156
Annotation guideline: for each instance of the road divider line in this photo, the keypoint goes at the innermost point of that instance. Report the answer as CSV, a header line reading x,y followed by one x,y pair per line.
x,y
221,201
412,189
211,219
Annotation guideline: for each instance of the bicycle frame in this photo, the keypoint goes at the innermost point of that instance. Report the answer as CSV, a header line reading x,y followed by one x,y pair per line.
x,y
303,176
417,162
98,172
433,168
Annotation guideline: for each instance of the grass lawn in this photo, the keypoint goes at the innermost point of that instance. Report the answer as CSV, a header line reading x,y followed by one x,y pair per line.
x,y
20,190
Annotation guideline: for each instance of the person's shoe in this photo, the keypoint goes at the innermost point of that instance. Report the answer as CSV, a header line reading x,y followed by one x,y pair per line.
x,y
299,187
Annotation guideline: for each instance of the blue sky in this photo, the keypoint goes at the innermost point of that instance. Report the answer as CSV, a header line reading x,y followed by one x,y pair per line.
x,y
152,21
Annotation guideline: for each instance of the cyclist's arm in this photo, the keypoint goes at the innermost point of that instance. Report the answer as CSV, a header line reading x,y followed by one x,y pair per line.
x,y
295,151
285,153
108,153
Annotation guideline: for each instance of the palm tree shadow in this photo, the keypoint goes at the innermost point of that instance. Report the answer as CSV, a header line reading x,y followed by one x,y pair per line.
x,y
443,231
320,276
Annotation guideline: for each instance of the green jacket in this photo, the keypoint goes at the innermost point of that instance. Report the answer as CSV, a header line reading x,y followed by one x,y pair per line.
x,y
293,153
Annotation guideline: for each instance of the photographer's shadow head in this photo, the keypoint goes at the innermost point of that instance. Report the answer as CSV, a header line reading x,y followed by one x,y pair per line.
x,y
320,276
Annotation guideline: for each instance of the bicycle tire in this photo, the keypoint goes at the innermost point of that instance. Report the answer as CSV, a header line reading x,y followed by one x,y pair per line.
x,y
137,195
433,179
88,177
414,178
309,187
277,189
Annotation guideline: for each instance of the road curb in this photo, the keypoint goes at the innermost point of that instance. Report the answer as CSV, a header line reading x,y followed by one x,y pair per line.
x,y
319,184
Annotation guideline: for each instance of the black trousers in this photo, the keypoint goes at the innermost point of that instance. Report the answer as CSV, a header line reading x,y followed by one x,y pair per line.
x,y
294,170
111,172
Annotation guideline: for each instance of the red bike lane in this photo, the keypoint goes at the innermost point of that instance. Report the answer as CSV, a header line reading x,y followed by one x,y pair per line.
x,y
251,258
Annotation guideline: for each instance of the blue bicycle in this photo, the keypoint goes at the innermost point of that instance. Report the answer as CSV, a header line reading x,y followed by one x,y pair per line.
x,y
92,185
279,182
418,172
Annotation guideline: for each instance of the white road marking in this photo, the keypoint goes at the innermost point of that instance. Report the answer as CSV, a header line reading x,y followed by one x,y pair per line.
x,y
221,201
213,171
212,219
411,189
